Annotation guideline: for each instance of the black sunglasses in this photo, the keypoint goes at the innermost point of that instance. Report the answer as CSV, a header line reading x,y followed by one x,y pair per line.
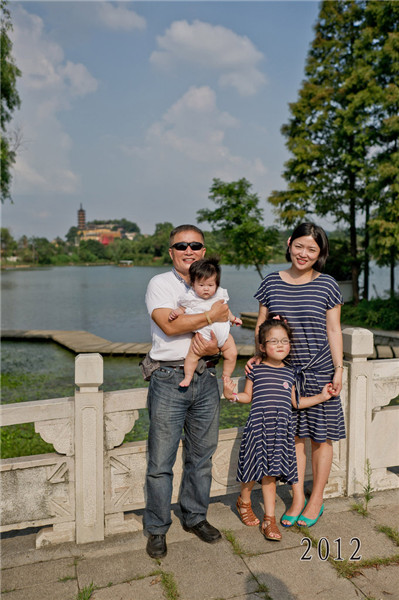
x,y
184,245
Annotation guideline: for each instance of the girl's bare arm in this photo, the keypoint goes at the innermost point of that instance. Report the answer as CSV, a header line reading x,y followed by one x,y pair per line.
x,y
305,401
244,397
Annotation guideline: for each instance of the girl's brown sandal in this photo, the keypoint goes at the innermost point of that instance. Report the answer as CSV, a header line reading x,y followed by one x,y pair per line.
x,y
271,528
248,516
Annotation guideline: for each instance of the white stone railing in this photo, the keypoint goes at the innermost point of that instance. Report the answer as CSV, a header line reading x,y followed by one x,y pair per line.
x,y
91,486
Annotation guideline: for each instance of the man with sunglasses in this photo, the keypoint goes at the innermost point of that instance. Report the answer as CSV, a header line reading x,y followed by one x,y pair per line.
x,y
172,409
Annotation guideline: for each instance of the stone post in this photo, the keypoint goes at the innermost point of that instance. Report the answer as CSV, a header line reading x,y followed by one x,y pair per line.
x,y
358,345
89,448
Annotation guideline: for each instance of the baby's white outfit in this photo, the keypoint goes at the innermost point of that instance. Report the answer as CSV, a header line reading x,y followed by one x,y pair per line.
x,y
195,305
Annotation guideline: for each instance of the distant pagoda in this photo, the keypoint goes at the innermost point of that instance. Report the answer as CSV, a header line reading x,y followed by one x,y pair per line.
x,y
81,219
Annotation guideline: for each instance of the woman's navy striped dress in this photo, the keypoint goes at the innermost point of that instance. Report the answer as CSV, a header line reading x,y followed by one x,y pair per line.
x,y
268,444
305,306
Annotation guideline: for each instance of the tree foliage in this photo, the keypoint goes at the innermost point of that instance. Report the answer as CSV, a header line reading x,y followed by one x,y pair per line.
x,y
338,128
244,241
383,28
10,100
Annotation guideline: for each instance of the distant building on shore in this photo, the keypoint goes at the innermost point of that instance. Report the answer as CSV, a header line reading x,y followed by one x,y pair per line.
x,y
101,234
105,233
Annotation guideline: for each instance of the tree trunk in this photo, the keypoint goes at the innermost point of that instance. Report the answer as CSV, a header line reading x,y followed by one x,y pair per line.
x,y
353,240
392,273
366,253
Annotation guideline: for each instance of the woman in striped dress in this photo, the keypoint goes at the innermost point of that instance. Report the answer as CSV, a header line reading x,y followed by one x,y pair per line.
x,y
311,302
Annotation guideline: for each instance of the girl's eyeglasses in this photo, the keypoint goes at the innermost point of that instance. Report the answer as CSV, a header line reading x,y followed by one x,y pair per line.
x,y
184,245
274,342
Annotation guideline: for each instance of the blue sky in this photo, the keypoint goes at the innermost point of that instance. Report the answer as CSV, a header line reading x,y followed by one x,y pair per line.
x,y
131,108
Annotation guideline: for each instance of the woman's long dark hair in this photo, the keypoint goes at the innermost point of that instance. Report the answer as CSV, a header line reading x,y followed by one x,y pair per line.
x,y
319,236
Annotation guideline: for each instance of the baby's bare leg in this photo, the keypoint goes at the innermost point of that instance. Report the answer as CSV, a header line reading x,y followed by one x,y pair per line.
x,y
229,352
190,364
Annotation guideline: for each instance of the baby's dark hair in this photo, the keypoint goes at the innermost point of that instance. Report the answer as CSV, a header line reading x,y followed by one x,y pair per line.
x,y
273,320
205,268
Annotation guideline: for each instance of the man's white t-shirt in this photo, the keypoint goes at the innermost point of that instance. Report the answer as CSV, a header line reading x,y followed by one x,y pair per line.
x,y
163,291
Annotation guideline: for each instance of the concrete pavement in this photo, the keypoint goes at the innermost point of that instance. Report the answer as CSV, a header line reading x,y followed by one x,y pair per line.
x,y
242,566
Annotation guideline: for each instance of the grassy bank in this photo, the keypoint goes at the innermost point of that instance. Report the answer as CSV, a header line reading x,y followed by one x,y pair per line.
x,y
373,314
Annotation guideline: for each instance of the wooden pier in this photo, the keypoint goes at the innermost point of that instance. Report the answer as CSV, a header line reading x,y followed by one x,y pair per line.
x,y
386,343
81,342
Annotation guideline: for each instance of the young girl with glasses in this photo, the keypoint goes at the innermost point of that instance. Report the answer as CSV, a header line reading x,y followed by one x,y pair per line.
x,y
267,451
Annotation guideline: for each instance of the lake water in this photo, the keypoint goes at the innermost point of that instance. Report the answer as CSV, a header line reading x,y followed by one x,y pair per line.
x,y
109,301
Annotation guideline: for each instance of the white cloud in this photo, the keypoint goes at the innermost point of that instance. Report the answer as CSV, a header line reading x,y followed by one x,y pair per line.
x,y
49,84
119,17
185,149
213,47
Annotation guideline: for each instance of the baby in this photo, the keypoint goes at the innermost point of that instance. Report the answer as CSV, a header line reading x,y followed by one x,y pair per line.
x,y
205,290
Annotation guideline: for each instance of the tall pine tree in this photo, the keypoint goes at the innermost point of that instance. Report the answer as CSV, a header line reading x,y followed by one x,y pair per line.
x,y
9,100
382,49
334,128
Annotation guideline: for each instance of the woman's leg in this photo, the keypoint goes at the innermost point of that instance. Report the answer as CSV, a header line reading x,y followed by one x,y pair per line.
x,y
298,492
322,454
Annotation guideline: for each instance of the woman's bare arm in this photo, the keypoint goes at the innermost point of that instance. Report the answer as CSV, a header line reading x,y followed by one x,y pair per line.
x,y
334,335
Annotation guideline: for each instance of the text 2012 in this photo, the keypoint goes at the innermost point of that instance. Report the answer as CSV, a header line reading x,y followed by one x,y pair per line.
x,y
323,549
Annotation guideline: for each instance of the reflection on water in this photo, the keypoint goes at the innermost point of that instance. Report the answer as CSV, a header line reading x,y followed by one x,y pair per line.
x,y
107,301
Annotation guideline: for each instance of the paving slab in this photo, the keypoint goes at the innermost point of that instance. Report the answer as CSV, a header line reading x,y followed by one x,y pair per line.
x,y
117,568
149,588
289,578
388,517
65,590
252,541
22,577
381,584
203,571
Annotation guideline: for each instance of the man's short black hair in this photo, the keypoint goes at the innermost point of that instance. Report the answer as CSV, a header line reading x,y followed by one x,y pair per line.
x,y
205,268
181,228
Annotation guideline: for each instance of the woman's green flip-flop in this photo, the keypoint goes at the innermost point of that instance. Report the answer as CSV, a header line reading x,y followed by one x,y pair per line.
x,y
292,520
310,522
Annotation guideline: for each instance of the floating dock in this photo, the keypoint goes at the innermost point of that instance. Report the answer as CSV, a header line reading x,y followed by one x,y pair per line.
x,y
81,342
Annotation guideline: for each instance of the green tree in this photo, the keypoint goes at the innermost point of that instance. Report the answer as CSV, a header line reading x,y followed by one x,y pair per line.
x,y
91,251
8,244
10,100
239,219
334,130
382,46
120,249
72,235
384,228
42,250
160,240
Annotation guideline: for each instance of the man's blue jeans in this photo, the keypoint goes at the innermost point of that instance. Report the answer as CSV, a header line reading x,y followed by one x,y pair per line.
x,y
171,410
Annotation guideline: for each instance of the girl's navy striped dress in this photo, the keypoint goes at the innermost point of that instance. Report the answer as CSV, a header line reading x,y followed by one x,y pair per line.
x,y
268,443
305,306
